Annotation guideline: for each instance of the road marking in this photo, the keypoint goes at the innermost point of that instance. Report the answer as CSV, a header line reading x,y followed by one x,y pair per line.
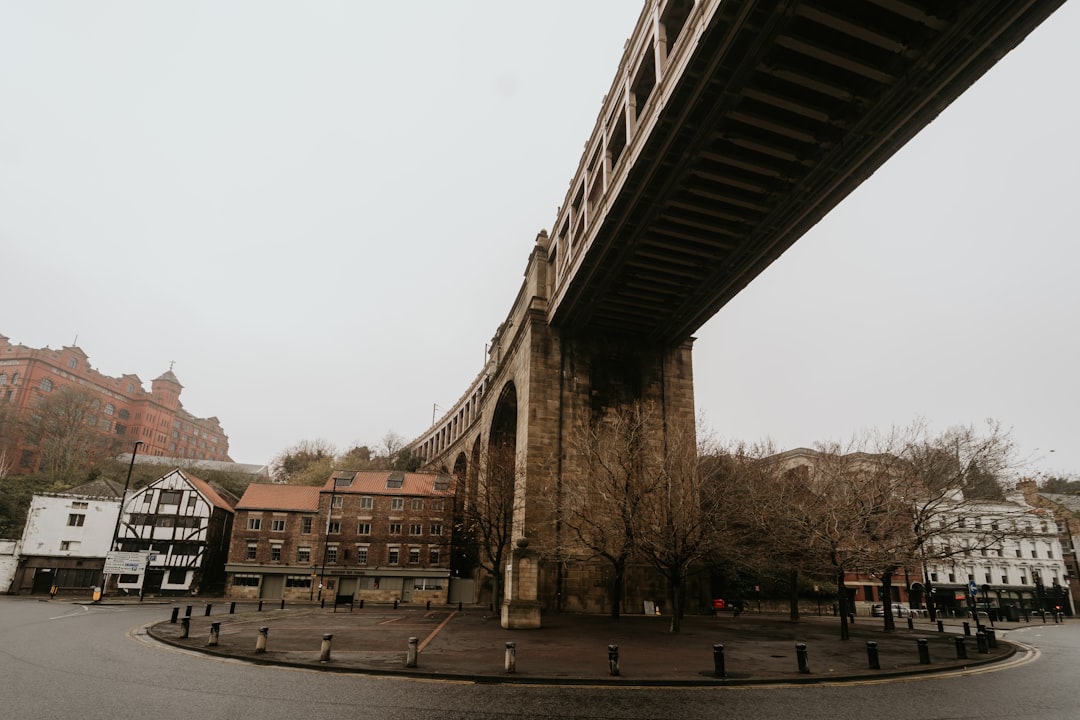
x,y
436,631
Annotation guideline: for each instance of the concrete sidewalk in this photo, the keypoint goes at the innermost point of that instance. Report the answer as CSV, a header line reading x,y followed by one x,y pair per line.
x,y
471,645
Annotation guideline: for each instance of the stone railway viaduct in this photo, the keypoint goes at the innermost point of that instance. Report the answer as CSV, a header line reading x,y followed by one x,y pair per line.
x,y
730,129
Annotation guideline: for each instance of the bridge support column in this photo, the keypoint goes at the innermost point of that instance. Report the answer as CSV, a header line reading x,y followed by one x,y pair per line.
x,y
521,609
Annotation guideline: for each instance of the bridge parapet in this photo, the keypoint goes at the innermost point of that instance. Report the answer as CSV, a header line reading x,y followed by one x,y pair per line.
x,y
655,56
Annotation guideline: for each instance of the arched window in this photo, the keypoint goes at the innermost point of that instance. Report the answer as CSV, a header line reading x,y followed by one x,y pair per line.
x,y
46,385
110,409
3,378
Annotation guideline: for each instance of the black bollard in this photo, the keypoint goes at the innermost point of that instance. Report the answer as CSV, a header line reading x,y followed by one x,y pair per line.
x,y
718,661
260,606
967,629
961,647
980,639
613,659
187,611
361,603
282,603
395,604
991,638
208,607
910,623
800,654
428,605
872,655
940,626
459,606
924,651
322,604
185,626
175,613
232,608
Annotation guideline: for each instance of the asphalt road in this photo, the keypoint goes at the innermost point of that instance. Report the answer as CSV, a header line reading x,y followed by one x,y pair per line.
x,y
59,660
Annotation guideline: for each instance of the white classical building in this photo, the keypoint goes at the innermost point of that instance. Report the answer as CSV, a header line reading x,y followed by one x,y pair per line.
x,y
65,539
1008,551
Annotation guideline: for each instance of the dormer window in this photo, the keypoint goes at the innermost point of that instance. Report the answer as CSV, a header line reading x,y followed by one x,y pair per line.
x,y
395,480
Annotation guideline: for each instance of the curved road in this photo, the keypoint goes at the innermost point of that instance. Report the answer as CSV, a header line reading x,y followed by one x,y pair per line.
x,y
59,660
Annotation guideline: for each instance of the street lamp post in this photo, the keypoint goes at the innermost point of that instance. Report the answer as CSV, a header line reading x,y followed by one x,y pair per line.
x,y
119,514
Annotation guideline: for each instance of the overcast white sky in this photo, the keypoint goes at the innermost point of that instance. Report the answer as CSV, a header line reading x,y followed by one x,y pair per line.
x,y
322,211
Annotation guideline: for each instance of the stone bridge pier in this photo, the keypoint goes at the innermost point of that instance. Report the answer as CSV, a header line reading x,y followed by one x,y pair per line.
x,y
539,384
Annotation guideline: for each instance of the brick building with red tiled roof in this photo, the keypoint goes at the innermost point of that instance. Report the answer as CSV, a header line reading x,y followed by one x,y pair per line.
x,y
377,536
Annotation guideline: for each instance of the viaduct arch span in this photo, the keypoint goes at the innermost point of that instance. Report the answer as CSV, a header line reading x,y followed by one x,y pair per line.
x,y
730,129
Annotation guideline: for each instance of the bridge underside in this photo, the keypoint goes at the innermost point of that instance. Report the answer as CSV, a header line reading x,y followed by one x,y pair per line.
x,y
786,108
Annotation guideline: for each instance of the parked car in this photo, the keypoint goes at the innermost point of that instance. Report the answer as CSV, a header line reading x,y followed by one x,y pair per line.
x,y
898,610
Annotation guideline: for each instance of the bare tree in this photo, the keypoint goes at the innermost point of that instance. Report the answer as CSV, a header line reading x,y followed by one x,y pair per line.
x,y
946,477
309,462
487,521
674,524
63,426
597,508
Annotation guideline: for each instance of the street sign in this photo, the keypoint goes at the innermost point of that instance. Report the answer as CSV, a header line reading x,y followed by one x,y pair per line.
x,y
973,588
125,563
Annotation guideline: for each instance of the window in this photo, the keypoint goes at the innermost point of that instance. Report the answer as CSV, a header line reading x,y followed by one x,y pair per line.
x,y
395,480
361,554
252,550
437,504
254,523
245,580
1004,579
395,528
79,505
336,501
414,555
417,503
277,526
333,527
192,501
303,554
46,385
366,502
933,577
416,529
305,526
397,503
363,528
1023,579
1034,553
433,556
331,554
69,545
275,553
392,555
297,581
177,576
76,519
436,528
110,409
170,497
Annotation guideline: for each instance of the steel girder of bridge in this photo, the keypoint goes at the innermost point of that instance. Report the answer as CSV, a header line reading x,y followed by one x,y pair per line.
x,y
734,126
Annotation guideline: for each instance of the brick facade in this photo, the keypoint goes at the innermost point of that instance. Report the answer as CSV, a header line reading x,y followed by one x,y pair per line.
x,y
375,536
123,410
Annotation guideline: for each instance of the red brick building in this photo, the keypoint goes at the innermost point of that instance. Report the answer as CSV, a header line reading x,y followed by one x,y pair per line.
x,y
123,411
379,536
